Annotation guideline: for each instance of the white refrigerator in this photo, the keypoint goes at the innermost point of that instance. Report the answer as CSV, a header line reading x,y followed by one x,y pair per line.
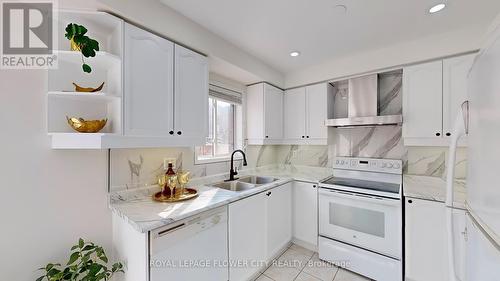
x,y
480,118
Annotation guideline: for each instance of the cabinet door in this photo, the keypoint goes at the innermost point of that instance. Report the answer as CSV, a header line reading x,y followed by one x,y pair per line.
x,y
191,94
279,219
316,112
247,235
273,115
422,100
455,72
426,241
295,114
305,213
148,78
255,112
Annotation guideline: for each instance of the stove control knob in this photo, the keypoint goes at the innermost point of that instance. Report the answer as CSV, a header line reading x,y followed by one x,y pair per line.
x,y
397,166
341,162
337,162
389,165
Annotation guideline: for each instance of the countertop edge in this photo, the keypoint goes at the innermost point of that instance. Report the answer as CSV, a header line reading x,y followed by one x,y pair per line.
x,y
237,197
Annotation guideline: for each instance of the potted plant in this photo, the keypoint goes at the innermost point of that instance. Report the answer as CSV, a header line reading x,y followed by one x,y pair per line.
x,y
86,262
75,33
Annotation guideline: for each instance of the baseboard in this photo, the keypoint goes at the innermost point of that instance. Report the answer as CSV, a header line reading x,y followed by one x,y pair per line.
x,y
306,245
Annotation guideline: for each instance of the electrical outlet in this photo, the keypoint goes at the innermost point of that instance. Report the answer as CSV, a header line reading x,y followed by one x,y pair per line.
x,y
169,160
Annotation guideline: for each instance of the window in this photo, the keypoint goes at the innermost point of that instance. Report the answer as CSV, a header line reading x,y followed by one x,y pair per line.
x,y
224,130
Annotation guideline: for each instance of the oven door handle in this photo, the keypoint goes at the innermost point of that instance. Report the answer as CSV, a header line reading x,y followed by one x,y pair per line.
x,y
361,197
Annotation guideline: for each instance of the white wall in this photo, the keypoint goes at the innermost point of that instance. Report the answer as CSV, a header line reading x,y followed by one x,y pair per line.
x,y
48,198
428,48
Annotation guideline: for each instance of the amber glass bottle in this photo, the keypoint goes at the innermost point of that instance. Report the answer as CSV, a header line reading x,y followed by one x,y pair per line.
x,y
169,189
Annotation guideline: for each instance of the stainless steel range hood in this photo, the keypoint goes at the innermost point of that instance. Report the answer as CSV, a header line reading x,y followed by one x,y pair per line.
x,y
362,105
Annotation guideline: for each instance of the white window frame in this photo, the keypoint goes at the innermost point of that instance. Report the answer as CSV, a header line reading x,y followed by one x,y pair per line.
x,y
236,145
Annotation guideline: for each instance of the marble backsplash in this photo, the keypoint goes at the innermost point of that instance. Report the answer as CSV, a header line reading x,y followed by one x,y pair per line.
x,y
132,168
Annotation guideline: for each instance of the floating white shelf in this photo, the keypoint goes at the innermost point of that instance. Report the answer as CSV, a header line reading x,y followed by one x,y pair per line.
x,y
83,96
102,59
106,140
79,140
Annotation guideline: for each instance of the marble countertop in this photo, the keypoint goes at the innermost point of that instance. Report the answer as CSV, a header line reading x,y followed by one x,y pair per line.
x,y
433,189
137,208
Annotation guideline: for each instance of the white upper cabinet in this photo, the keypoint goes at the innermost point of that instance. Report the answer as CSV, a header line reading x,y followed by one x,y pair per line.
x,y
273,117
422,100
295,114
455,72
305,114
432,95
264,114
316,102
166,92
190,95
148,78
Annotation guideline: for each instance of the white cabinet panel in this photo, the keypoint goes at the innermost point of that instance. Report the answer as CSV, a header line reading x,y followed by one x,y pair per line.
x,y
191,94
255,114
247,235
306,110
264,114
317,110
273,115
422,100
279,219
426,257
305,213
455,72
148,77
295,113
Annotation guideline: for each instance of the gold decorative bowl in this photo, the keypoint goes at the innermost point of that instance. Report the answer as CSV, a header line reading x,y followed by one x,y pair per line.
x,y
86,126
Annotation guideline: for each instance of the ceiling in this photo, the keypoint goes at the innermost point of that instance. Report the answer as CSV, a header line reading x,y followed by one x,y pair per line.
x,y
270,30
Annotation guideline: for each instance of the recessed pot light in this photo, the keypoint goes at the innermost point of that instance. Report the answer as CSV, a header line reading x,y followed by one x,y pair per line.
x,y
295,54
437,8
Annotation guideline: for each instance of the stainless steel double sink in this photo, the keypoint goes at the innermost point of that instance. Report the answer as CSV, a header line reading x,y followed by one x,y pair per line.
x,y
244,183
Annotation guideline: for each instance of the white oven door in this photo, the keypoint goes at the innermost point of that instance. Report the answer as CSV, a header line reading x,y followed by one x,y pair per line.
x,y
370,222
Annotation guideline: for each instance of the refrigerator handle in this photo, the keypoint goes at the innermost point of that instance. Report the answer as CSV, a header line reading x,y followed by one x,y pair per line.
x,y
460,128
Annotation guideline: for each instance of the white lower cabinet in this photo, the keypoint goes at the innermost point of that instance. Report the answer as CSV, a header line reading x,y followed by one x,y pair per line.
x,y
279,219
426,256
260,226
239,239
305,214
247,236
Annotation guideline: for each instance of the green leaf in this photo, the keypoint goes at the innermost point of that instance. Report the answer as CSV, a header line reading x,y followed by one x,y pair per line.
x,y
88,248
73,258
40,278
80,243
86,68
104,258
94,269
74,247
